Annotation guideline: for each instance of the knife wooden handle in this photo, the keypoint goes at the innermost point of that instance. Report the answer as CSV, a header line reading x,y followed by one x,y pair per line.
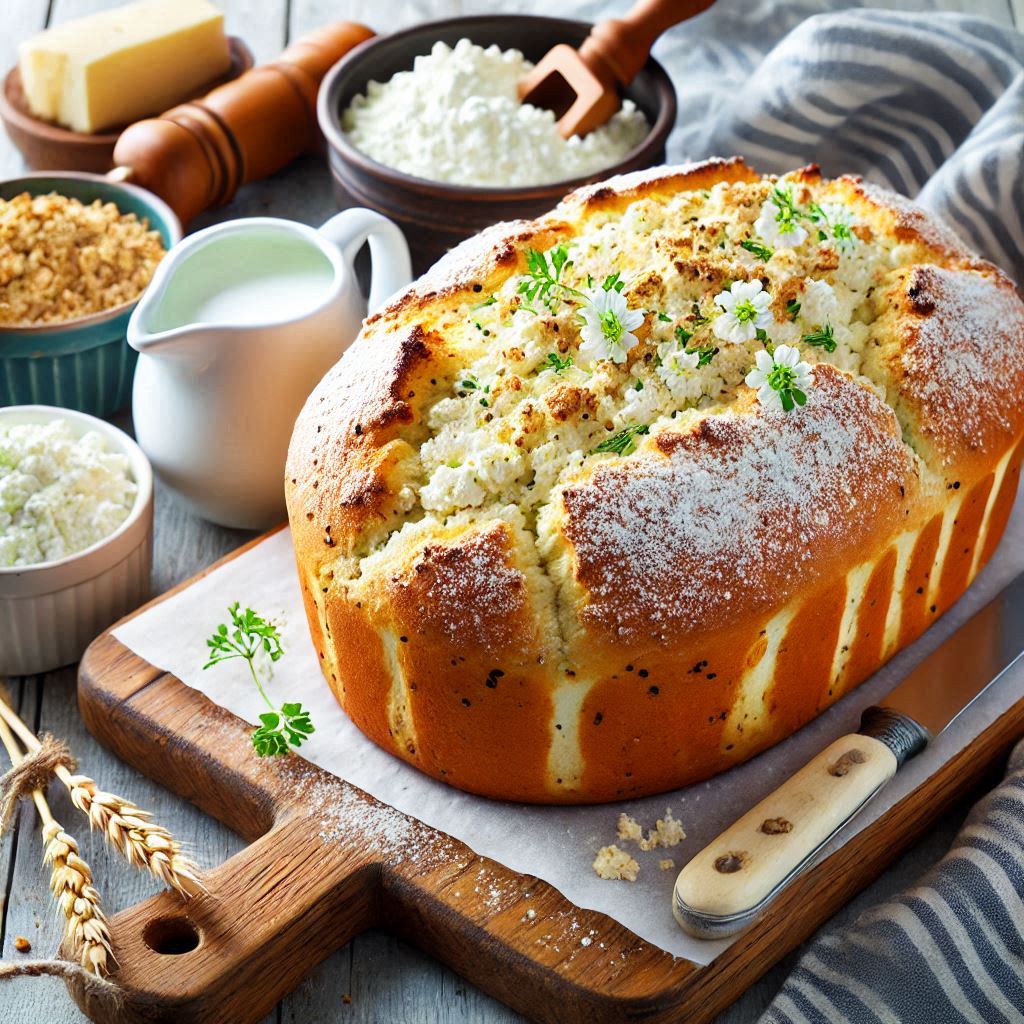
x,y
731,880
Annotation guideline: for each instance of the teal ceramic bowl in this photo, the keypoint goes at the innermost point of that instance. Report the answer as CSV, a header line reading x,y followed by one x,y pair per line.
x,y
82,364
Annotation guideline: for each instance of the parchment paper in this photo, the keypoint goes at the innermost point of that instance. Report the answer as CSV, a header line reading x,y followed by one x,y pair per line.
x,y
555,843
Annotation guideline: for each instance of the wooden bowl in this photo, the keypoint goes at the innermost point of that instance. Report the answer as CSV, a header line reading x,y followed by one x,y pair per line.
x,y
435,216
49,147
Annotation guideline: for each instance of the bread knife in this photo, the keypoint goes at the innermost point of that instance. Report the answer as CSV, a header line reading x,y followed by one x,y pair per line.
x,y
726,886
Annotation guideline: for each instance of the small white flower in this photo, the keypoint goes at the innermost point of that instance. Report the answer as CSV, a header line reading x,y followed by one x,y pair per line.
x,y
781,378
608,323
840,220
678,363
777,227
746,310
675,372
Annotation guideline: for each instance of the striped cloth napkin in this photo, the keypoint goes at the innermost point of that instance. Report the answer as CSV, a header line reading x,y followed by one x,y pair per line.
x,y
931,105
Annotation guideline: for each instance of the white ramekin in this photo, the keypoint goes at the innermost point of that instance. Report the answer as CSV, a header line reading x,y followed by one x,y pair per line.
x,y
50,612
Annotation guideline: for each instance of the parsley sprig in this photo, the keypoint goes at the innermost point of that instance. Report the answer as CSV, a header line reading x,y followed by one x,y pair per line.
x,y
558,363
823,337
244,638
624,442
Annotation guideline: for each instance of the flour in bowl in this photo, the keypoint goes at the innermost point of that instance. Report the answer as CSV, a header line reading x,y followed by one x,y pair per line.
x,y
456,118
58,494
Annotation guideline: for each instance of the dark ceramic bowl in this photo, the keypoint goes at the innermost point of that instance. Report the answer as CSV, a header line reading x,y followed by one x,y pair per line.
x,y
435,216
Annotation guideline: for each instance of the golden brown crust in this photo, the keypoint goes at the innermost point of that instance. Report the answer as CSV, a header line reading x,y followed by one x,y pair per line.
x,y
665,616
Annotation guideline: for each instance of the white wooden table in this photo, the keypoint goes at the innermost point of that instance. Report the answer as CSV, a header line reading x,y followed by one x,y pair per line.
x,y
375,978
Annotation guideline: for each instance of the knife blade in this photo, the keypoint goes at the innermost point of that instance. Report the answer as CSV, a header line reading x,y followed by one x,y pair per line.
x,y
726,886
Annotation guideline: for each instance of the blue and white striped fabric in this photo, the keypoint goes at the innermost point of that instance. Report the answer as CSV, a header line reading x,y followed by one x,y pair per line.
x,y
930,104
951,949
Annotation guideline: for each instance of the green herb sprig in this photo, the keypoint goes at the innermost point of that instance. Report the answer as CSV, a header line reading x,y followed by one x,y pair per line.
x,y
244,638
823,337
558,363
623,442
543,282
705,354
763,252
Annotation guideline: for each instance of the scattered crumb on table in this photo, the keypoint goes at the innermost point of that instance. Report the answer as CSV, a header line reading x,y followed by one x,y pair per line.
x,y
666,864
614,864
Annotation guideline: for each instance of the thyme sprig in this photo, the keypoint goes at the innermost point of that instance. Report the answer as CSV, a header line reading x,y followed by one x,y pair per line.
x,y
823,337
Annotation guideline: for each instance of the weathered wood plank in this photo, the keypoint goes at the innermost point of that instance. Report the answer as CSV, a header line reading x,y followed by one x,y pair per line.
x,y
14,691
23,19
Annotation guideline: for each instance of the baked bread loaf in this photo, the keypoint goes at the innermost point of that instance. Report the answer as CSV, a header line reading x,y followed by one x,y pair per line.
x,y
614,499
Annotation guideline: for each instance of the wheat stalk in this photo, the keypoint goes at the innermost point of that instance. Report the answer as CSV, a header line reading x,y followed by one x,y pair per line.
x,y
127,828
141,842
85,925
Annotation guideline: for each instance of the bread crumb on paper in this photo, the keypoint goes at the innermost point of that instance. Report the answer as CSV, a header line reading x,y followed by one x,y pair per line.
x,y
629,829
667,832
614,864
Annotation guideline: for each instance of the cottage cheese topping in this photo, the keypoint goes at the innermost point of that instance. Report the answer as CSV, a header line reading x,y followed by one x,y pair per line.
x,y
542,387
456,118
58,494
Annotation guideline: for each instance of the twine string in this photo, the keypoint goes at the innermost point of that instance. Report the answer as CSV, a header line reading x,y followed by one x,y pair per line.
x,y
33,772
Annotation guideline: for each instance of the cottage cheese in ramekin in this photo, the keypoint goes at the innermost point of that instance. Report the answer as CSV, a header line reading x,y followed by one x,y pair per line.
x,y
456,118
59,494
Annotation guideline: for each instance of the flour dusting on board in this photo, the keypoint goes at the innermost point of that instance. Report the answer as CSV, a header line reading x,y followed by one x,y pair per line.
x,y
554,844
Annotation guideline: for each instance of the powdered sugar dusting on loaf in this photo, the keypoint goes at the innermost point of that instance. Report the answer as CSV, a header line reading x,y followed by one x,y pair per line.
x,y
736,514
910,217
963,358
469,589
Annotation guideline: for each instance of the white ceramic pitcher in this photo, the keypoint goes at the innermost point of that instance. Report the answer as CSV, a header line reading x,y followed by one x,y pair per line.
x,y
239,324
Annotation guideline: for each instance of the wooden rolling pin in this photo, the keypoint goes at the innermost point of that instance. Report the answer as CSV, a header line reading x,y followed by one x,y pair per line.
x,y
198,154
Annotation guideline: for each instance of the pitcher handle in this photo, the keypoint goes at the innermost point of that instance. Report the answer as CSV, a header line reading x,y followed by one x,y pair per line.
x,y
389,253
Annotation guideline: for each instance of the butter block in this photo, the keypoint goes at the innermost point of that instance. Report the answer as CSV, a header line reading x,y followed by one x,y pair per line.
x,y
124,64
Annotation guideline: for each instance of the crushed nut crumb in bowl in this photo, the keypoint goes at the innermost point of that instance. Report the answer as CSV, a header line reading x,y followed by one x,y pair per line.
x,y
76,534
70,275
437,215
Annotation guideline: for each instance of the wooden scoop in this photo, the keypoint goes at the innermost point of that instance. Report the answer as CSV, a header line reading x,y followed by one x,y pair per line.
x,y
582,86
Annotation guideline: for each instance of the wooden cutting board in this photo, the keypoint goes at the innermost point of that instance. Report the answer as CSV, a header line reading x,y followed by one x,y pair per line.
x,y
326,861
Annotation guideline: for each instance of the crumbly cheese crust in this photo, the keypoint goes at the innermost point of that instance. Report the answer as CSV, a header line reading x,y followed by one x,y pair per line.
x,y
463,502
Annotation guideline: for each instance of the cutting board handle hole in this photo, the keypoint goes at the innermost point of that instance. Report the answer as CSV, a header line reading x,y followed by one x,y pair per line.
x,y
171,936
